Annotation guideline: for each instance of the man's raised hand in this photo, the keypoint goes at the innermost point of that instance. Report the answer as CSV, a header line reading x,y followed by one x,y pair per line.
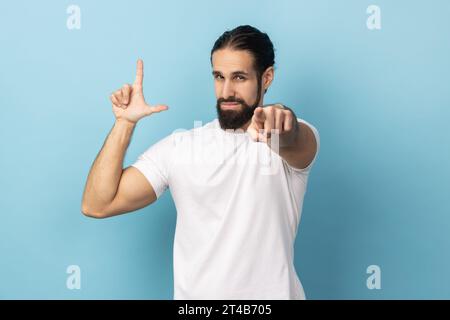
x,y
128,102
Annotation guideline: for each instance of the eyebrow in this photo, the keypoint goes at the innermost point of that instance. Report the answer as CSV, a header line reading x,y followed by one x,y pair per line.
x,y
235,73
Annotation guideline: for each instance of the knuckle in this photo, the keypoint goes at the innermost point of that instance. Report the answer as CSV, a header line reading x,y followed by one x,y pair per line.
x,y
288,116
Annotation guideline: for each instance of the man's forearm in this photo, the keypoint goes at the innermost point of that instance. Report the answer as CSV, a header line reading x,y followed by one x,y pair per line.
x,y
299,149
104,176
290,146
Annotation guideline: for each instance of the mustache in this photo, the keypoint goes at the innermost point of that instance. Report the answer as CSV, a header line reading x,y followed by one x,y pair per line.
x,y
230,99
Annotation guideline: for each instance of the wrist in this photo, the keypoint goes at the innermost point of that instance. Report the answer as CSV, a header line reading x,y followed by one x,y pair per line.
x,y
125,122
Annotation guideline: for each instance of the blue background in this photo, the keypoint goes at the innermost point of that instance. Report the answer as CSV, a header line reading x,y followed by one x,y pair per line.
x,y
379,191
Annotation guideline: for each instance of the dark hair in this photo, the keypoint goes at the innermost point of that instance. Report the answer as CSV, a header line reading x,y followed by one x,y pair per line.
x,y
252,40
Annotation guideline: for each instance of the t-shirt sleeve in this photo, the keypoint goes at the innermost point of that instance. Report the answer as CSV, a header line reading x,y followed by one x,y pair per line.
x,y
154,164
308,168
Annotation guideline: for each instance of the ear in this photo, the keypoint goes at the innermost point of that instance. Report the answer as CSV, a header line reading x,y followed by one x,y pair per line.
x,y
267,78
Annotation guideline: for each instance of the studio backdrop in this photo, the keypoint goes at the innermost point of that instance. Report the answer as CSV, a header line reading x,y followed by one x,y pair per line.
x,y
372,76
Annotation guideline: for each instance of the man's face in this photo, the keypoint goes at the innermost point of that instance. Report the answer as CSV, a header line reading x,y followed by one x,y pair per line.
x,y
236,86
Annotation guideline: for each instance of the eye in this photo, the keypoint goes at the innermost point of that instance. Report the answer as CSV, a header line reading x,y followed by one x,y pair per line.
x,y
218,77
240,78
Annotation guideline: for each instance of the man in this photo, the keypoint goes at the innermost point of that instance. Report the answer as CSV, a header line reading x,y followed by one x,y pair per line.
x,y
237,216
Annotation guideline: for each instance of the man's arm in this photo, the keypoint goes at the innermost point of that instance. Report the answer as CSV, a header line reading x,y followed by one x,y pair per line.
x,y
110,190
300,153
296,141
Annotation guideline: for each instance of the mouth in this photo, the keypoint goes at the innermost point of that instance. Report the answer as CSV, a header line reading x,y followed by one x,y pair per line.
x,y
230,105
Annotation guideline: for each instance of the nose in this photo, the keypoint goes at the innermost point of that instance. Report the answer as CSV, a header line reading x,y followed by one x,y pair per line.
x,y
227,89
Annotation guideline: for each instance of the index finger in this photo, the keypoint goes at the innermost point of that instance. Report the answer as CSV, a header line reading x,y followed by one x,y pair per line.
x,y
139,72
259,115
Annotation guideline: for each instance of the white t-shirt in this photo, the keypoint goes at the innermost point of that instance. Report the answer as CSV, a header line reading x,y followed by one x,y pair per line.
x,y
238,208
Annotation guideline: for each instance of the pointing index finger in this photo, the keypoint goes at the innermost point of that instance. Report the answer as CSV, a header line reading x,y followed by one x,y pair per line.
x,y
259,115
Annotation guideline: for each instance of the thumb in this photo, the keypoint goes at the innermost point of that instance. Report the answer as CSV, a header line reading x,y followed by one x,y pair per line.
x,y
252,131
156,109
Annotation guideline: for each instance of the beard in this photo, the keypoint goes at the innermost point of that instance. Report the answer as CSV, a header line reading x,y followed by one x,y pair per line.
x,y
234,119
